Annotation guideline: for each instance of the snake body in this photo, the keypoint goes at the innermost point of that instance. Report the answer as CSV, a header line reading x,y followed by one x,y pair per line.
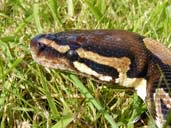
x,y
114,56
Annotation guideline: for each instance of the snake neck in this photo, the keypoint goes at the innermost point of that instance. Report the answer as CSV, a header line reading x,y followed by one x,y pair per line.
x,y
158,76
158,89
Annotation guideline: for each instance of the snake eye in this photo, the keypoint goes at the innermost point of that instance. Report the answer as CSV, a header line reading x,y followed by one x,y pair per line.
x,y
72,55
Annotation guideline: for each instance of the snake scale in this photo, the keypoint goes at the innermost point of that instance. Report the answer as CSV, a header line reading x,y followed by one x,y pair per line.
x,y
114,56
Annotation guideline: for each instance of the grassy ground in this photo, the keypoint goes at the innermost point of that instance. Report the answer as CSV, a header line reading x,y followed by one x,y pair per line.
x,y
34,96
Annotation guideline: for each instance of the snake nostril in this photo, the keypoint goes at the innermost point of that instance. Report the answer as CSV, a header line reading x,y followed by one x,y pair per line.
x,y
40,46
35,42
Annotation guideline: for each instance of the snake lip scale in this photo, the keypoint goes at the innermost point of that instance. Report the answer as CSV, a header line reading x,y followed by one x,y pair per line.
x,y
114,56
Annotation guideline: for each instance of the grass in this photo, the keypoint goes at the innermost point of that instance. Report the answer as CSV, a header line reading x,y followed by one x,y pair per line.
x,y
39,97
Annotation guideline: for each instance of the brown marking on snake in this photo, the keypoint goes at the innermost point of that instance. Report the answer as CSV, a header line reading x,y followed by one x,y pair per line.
x,y
54,45
121,64
158,49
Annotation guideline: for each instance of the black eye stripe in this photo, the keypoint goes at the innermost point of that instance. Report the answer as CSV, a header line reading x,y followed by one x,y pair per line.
x,y
99,68
49,52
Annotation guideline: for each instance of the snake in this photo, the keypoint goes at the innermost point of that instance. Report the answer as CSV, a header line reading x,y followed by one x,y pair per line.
x,y
114,56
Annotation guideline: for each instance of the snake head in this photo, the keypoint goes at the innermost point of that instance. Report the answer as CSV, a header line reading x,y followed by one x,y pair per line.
x,y
47,52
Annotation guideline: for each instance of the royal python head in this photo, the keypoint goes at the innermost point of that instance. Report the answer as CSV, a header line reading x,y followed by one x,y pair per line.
x,y
115,56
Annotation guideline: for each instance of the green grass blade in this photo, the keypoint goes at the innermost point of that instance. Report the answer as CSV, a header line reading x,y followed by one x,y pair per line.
x,y
64,121
36,17
91,99
70,8
8,71
53,6
102,6
50,100
94,10
23,24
